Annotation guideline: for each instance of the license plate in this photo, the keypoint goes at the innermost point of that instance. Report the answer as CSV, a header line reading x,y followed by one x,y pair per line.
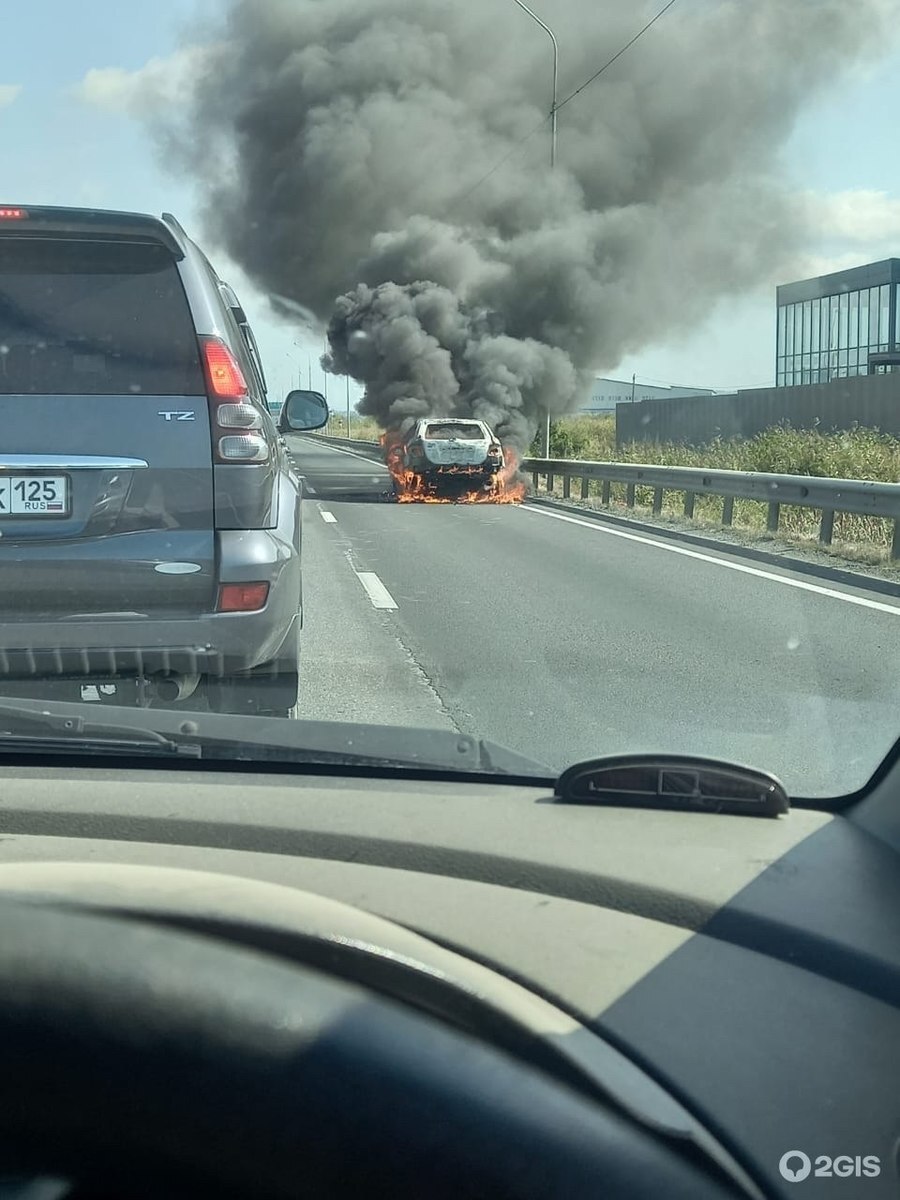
x,y
34,496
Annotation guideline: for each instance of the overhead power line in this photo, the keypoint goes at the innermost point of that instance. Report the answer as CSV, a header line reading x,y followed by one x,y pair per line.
x,y
503,161
662,12
528,136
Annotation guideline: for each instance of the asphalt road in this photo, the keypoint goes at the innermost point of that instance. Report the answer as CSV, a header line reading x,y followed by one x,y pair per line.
x,y
564,638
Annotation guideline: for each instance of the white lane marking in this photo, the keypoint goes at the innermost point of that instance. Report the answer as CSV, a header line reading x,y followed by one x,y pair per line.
x,y
311,489
328,517
377,592
718,562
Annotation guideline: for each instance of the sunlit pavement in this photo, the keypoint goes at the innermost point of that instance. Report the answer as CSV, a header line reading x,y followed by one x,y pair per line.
x,y
563,641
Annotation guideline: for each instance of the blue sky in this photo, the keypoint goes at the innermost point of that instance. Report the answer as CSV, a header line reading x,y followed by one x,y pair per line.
x,y
57,149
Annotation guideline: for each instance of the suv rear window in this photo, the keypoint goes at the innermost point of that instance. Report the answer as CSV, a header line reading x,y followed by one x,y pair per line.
x,y
469,433
81,317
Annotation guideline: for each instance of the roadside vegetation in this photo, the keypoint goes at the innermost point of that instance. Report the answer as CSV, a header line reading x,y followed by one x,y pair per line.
x,y
856,454
363,429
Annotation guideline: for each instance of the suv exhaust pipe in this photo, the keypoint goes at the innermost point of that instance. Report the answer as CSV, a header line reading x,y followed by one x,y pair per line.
x,y
168,688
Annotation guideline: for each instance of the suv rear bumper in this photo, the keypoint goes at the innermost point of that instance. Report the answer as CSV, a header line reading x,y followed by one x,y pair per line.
x,y
113,645
219,644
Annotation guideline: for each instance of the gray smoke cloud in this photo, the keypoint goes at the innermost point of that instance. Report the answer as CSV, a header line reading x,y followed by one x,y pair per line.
x,y
349,138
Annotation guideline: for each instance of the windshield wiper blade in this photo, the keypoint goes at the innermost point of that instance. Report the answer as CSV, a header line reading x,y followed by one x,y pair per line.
x,y
26,728
97,745
673,781
221,736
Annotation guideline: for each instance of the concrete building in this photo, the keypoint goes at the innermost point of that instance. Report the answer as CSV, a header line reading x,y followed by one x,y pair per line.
x,y
838,325
607,393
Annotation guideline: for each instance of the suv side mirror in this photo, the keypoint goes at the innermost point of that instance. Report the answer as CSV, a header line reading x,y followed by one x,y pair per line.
x,y
302,412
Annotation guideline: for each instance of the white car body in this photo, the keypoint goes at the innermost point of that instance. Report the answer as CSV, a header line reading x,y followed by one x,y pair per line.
x,y
450,444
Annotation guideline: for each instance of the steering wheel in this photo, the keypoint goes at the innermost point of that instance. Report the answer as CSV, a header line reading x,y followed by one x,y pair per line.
x,y
154,1062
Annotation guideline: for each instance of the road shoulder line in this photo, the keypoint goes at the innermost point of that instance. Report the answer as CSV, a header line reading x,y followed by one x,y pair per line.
x,y
600,527
869,583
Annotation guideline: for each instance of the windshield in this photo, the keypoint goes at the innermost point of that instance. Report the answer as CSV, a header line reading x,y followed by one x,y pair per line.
x,y
637,286
459,430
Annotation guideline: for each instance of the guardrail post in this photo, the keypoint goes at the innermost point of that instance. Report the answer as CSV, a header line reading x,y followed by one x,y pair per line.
x,y
567,487
895,544
604,492
534,480
688,504
826,529
629,495
728,510
774,514
585,487
657,500
550,482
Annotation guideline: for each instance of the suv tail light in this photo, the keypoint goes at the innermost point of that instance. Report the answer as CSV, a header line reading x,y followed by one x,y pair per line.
x,y
244,447
242,597
494,450
239,416
231,408
224,377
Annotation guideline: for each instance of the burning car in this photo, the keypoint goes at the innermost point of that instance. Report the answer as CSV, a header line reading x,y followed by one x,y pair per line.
x,y
447,460
452,455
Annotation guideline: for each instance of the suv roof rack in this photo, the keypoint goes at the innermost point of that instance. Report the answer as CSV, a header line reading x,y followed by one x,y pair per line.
x,y
233,303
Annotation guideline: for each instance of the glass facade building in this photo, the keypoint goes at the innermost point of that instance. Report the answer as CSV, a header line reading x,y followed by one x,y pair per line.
x,y
836,325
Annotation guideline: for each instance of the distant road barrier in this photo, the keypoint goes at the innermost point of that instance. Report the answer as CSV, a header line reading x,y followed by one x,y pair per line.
x,y
830,496
368,448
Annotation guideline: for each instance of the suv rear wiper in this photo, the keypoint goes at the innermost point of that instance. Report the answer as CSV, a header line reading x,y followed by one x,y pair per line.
x,y
673,781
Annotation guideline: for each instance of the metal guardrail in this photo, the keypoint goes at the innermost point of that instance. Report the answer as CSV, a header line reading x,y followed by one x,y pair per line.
x,y
349,443
807,491
830,496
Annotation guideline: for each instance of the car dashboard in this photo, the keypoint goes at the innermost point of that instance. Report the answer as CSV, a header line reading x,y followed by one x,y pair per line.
x,y
731,982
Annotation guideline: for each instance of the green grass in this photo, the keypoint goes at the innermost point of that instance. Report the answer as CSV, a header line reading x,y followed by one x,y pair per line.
x,y
856,454
363,429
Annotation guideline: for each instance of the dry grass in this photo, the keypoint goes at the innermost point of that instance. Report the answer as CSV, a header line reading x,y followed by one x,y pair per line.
x,y
856,454
361,428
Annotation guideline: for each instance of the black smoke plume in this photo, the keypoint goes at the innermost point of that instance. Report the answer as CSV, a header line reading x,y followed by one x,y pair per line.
x,y
346,152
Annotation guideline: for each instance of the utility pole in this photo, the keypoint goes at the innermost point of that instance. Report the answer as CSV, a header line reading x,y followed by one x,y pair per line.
x,y
545,433
553,113
633,377
348,406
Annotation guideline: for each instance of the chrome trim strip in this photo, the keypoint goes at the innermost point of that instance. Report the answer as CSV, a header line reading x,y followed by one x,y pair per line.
x,y
69,462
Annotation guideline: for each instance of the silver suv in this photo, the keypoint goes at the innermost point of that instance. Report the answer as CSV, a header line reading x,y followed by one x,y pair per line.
x,y
150,517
